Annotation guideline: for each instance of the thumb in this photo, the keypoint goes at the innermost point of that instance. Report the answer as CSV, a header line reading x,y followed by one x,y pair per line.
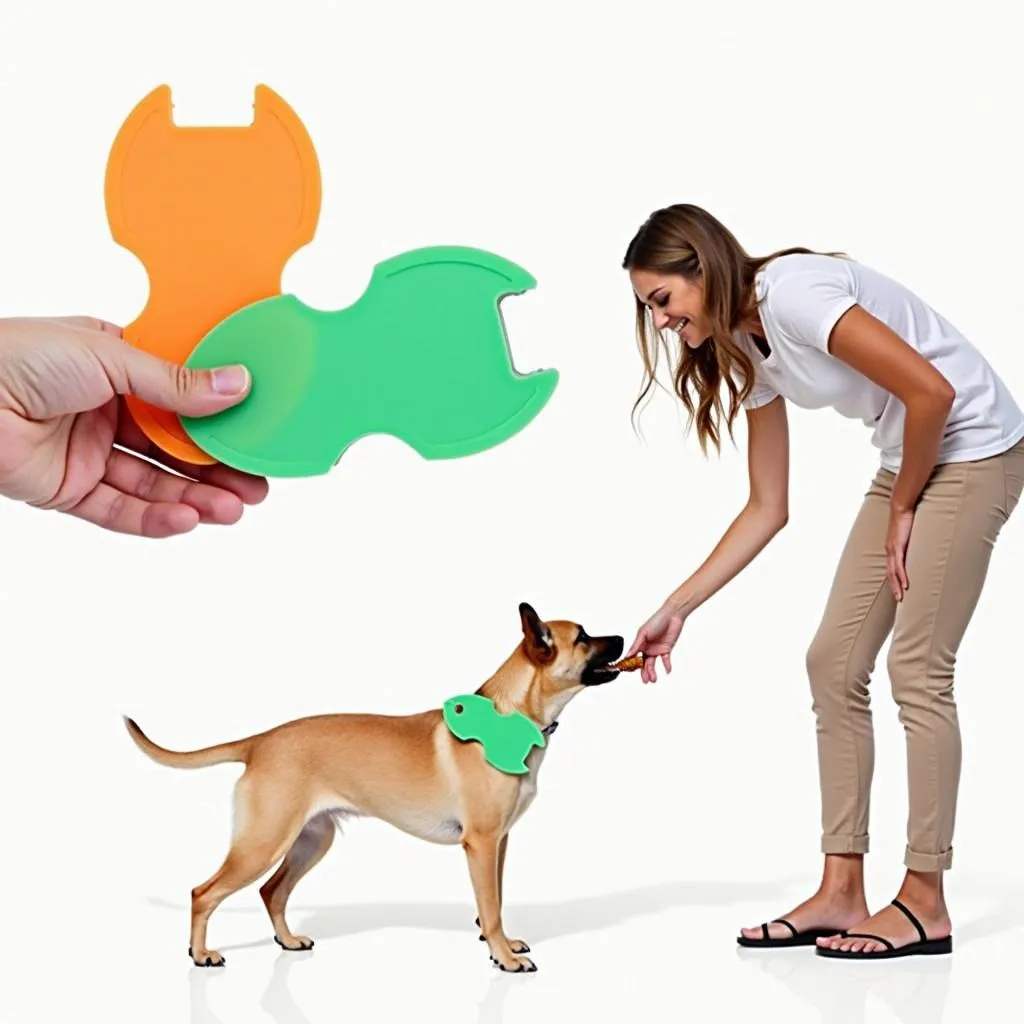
x,y
641,638
180,389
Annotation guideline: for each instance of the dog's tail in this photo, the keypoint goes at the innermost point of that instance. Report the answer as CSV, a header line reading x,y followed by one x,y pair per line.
x,y
220,754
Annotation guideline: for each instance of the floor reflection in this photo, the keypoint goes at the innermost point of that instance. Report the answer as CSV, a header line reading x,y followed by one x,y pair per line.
x,y
278,1002
914,989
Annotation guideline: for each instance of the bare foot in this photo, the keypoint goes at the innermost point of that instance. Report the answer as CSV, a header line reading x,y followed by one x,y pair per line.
x,y
833,912
893,925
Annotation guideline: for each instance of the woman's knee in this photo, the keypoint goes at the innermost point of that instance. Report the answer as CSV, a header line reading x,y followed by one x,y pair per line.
x,y
834,675
919,677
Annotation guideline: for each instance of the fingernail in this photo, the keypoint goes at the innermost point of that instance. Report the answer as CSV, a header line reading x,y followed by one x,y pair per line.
x,y
230,380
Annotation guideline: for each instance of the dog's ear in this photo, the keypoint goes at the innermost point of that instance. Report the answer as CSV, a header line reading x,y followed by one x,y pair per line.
x,y
537,640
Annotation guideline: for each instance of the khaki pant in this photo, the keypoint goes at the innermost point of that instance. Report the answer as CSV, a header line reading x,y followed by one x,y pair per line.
x,y
958,519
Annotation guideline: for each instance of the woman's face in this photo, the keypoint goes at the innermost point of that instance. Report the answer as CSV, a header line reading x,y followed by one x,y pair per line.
x,y
675,303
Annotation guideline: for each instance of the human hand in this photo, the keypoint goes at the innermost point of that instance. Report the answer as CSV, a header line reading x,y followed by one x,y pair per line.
x,y
901,522
68,443
656,638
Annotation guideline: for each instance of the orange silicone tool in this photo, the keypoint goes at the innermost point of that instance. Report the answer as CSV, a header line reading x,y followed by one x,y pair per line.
x,y
214,214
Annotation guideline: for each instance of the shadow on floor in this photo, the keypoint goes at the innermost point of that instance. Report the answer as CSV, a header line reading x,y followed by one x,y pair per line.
x,y
541,921
914,989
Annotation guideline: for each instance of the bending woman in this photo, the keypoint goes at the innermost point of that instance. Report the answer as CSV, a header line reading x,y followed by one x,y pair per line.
x,y
823,331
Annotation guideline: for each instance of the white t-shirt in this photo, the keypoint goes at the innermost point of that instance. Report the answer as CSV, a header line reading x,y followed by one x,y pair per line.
x,y
801,298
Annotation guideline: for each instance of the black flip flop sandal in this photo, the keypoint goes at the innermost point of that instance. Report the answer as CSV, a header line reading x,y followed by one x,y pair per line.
x,y
807,938
923,947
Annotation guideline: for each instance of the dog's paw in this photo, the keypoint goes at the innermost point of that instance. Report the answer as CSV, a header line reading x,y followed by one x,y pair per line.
x,y
517,965
294,943
517,945
206,958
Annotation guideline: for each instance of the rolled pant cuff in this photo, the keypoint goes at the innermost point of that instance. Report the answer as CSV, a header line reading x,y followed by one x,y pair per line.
x,y
915,861
844,843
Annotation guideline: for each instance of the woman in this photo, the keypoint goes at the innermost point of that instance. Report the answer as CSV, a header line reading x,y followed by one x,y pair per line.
x,y
821,330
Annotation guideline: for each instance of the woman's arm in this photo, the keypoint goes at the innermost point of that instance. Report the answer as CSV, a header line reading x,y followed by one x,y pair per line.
x,y
869,346
765,513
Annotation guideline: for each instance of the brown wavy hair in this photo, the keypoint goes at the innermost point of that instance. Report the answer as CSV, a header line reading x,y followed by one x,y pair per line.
x,y
687,240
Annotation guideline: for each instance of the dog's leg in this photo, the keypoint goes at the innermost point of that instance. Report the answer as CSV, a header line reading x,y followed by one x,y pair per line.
x,y
502,848
265,826
307,851
516,945
482,853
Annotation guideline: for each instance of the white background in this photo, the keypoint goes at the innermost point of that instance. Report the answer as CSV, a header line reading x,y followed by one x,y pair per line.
x,y
669,816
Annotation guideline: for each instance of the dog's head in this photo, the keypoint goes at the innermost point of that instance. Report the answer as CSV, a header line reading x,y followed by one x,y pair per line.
x,y
564,656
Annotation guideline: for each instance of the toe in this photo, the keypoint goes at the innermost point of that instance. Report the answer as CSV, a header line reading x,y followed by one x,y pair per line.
x,y
775,931
208,958
518,965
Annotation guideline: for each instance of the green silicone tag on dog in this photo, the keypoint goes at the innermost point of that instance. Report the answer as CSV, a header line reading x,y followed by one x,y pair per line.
x,y
506,739
422,355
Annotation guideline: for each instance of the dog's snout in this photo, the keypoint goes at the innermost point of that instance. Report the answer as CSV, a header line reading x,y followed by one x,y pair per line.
x,y
614,646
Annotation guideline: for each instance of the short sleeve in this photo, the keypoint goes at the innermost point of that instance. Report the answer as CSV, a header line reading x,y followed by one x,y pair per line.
x,y
760,394
804,299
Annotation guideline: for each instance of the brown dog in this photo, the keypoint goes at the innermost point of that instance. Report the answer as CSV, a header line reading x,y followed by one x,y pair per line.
x,y
410,771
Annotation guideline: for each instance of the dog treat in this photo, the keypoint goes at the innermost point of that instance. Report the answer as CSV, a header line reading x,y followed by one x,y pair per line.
x,y
629,664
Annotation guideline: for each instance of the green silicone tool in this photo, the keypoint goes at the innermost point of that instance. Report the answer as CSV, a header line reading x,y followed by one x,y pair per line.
x,y
506,739
422,355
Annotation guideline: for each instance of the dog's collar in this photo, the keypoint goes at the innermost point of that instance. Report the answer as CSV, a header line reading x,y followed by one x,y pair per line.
x,y
506,739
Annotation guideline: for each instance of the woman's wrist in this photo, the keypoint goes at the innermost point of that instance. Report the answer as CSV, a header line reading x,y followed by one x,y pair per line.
x,y
681,602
